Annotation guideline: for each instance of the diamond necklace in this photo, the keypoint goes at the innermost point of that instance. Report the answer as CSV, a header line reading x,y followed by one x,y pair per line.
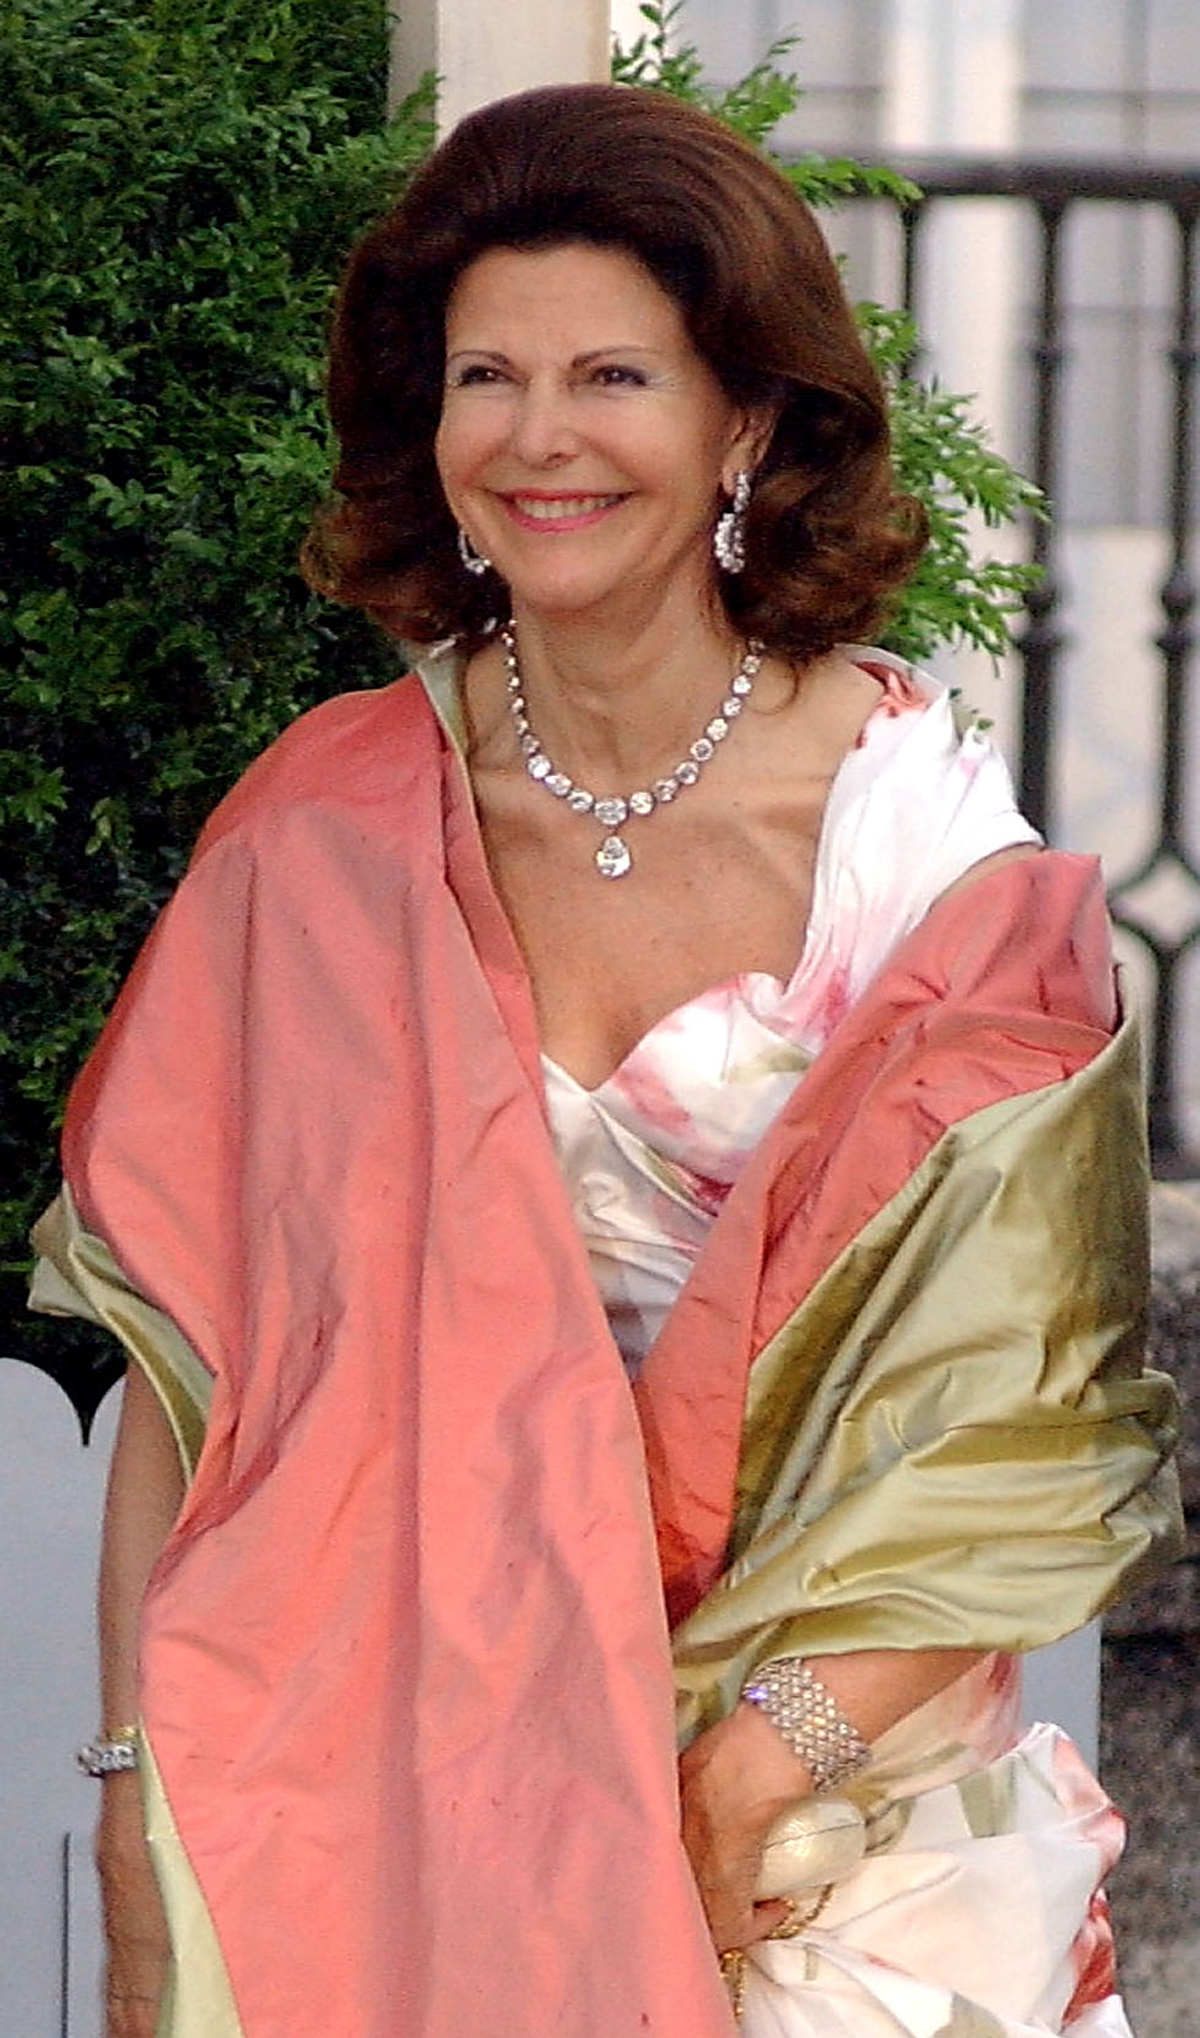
x,y
613,858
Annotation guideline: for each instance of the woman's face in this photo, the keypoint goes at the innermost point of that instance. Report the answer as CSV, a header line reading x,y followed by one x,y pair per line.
x,y
583,444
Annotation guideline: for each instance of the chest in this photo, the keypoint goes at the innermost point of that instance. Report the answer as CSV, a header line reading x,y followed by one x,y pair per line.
x,y
718,893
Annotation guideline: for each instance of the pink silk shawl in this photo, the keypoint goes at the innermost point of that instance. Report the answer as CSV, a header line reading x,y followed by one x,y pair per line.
x,y
405,1658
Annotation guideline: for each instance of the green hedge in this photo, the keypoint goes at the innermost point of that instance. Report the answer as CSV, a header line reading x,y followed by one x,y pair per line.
x,y
179,182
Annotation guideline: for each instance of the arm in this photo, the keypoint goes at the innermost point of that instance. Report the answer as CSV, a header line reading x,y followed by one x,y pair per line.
x,y
145,1491
739,1775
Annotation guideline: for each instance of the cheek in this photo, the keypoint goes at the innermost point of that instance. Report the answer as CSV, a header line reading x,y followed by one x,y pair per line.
x,y
444,454
465,441
454,451
684,455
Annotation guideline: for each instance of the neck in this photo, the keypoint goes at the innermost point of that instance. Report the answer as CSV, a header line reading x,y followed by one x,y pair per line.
x,y
612,701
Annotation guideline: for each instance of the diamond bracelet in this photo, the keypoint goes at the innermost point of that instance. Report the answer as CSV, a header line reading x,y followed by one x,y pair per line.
x,y
109,1754
810,1720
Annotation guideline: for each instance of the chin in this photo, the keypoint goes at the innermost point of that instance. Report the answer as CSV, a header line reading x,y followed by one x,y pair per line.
x,y
563,598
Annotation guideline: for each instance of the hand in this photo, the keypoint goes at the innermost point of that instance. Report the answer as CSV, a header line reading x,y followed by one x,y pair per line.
x,y
135,1928
735,1780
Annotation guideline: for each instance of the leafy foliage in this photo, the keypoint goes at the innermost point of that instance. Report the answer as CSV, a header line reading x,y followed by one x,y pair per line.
x,y
941,451
942,455
753,107
179,182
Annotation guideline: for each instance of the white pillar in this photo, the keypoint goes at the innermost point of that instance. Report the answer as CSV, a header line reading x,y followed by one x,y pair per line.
x,y
953,83
485,49
953,75
625,18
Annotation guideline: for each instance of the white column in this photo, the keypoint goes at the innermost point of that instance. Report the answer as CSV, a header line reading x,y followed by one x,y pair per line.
x,y
953,84
485,49
625,19
953,81
953,74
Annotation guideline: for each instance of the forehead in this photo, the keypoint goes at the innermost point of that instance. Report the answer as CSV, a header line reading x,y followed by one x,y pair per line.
x,y
590,295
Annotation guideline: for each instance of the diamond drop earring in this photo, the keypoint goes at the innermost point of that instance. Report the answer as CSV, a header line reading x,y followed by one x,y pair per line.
x,y
729,533
473,561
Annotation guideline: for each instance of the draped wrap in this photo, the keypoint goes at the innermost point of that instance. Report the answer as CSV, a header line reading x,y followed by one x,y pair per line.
x,y
406,1669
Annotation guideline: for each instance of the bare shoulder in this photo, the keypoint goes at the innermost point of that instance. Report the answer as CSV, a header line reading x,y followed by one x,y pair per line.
x,y
836,696
811,718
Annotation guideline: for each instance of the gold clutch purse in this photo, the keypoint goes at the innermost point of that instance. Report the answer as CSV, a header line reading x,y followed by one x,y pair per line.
x,y
814,1843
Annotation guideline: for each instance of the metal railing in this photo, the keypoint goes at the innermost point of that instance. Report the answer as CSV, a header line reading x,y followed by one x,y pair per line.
x,y
1051,192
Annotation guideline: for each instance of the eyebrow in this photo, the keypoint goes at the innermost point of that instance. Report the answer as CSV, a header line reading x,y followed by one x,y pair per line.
x,y
579,361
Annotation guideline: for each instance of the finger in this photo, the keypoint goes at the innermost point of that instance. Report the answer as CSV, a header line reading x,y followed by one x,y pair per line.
x,y
768,1917
771,1918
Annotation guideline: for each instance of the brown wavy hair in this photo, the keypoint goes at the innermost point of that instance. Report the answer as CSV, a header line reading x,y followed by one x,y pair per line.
x,y
829,541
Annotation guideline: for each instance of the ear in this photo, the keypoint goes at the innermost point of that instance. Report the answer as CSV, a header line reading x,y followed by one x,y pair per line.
x,y
747,448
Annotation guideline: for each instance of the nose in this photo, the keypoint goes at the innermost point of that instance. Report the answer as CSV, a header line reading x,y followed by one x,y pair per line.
x,y
542,430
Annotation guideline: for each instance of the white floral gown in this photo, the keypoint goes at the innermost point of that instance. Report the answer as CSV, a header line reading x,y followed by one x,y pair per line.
x,y
980,1912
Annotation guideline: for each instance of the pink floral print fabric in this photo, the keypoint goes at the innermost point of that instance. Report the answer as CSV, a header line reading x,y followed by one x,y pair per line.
x,y
650,1155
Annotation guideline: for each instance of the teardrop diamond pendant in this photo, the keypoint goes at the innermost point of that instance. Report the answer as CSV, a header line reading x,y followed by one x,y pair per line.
x,y
612,857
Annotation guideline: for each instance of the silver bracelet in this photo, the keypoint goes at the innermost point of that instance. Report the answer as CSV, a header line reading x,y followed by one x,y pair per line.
x,y
809,1718
109,1754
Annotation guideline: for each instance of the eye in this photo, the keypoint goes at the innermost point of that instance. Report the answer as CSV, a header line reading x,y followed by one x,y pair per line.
x,y
618,375
473,374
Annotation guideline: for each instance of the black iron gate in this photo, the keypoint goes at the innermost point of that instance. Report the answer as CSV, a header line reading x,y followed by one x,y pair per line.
x,y
1051,193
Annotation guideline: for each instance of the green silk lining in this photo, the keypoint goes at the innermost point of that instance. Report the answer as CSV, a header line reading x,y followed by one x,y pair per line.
x,y
951,1443
76,1275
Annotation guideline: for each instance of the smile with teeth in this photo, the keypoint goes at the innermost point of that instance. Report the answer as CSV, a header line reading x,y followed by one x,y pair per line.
x,y
559,509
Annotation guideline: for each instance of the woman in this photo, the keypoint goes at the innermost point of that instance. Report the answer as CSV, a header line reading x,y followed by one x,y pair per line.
x,y
654,980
